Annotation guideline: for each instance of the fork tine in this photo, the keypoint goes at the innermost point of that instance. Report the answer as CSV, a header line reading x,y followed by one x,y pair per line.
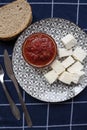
x,y
0,66
1,69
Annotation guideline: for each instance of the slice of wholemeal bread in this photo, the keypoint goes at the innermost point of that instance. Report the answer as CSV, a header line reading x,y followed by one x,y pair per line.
x,y
14,18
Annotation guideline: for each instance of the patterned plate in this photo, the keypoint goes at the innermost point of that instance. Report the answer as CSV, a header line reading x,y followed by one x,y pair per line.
x,y
31,79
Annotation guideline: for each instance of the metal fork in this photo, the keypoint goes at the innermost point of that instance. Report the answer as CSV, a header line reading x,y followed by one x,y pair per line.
x,y
13,107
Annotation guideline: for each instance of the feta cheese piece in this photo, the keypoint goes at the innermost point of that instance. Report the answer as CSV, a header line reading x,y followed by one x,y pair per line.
x,y
69,41
75,78
68,61
79,54
80,73
57,67
76,67
65,77
51,76
64,52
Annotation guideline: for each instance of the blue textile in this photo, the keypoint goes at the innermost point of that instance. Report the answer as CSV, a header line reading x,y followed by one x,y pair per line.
x,y
69,115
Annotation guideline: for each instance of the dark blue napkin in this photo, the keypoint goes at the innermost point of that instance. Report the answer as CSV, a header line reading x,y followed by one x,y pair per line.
x,y
69,115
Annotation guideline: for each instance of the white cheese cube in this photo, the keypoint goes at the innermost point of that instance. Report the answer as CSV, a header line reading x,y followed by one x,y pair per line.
x,y
76,67
57,67
51,76
80,73
79,54
75,78
69,41
64,52
65,77
68,61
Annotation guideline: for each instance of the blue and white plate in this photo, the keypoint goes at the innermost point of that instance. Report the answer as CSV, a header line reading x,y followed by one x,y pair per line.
x,y
31,79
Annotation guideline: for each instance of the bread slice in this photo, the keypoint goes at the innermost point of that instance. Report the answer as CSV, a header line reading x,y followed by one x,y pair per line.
x,y
14,18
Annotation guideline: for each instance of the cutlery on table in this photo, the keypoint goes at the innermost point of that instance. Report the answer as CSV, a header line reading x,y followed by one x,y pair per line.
x,y
10,73
13,107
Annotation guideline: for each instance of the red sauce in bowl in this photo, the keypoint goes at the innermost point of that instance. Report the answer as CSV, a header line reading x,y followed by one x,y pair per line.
x,y
39,49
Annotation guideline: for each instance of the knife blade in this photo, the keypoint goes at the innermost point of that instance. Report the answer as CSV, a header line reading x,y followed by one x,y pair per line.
x,y
10,73
8,64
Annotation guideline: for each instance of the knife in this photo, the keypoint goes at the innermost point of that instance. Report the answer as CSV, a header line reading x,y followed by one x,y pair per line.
x,y
10,73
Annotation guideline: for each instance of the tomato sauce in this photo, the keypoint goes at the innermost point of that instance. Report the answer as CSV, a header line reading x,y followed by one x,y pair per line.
x,y
39,49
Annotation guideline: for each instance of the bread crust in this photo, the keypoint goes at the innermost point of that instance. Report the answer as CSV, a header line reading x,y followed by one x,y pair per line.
x,y
23,26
